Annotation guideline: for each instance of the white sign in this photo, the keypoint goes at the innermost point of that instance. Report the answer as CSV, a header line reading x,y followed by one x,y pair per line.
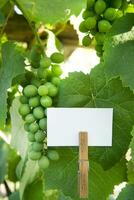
x,y
64,125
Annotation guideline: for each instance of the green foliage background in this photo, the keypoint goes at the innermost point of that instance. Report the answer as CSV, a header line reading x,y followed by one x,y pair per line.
x,y
109,84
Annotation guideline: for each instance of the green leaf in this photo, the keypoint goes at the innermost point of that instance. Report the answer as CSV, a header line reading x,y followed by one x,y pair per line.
x,y
2,19
20,168
132,1
55,11
118,51
3,3
132,145
3,160
56,195
34,191
80,90
30,174
13,160
18,135
12,65
127,193
14,196
63,197
130,172
63,175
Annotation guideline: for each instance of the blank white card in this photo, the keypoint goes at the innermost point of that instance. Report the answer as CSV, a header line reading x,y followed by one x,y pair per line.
x,y
64,125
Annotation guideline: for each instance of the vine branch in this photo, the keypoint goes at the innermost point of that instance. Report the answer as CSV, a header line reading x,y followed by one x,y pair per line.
x,y
8,191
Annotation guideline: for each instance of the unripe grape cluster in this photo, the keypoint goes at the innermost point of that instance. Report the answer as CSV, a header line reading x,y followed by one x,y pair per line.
x,y
36,97
98,18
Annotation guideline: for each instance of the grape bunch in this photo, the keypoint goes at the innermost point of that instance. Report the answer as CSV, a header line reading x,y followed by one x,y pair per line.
x,y
98,19
36,97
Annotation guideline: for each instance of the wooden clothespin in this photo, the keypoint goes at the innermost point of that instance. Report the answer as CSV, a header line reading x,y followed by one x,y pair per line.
x,y
83,165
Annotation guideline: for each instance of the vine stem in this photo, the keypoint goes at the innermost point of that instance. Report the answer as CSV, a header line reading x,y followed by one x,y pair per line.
x,y
8,191
31,26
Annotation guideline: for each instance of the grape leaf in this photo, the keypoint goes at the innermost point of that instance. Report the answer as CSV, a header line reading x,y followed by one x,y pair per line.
x,y
3,160
63,197
54,194
2,19
118,51
80,90
63,175
132,145
55,11
130,172
127,193
13,160
3,2
30,174
18,135
12,65
34,191
14,196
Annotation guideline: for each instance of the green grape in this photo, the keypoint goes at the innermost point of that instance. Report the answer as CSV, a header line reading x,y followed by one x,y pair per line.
x,y
43,124
90,3
46,101
99,49
38,112
23,99
43,90
100,6
90,23
39,136
57,57
24,109
49,73
36,82
110,14
82,27
48,84
52,90
30,90
55,81
99,54
119,14
34,101
42,73
35,56
45,62
37,146
116,3
30,147
88,13
33,127
86,41
43,162
31,137
26,127
93,31
104,26
46,111
29,76
56,70
100,37
53,155
34,155
29,118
